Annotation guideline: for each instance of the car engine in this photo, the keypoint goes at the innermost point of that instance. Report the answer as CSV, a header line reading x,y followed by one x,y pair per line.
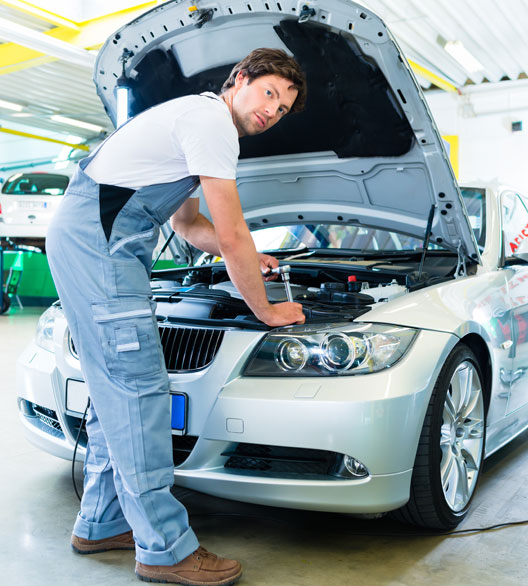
x,y
207,295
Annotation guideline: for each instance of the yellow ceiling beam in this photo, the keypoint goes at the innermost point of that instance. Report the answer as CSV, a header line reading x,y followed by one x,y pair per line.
x,y
82,147
432,77
90,35
39,12
138,9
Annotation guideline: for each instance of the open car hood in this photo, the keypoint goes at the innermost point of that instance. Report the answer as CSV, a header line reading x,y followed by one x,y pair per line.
x,y
365,151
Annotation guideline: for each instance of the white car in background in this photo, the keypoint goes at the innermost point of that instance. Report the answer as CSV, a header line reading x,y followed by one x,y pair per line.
x,y
27,204
412,365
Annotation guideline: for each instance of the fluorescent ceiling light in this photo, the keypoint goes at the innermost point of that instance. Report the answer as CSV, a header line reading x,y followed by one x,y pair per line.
x,y
11,106
78,123
22,114
457,50
22,35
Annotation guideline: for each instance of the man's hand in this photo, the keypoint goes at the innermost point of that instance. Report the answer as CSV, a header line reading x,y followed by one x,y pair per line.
x,y
283,314
267,263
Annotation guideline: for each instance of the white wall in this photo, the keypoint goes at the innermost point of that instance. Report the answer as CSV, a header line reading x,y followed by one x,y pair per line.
x,y
482,118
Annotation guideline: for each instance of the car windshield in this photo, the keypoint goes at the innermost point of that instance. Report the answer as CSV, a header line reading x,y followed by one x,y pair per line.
x,y
360,239
36,184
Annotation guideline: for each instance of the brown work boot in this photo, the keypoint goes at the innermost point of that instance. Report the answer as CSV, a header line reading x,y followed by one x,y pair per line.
x,y
85,546
201,568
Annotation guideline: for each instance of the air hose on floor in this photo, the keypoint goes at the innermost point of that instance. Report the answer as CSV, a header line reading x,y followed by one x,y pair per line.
x,y
81,425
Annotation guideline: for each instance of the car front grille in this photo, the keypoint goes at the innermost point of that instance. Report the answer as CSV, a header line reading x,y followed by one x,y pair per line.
x,y
184,349
187,349
280,461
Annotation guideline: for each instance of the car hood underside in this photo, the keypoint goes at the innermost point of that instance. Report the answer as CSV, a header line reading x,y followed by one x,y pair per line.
x,y
365,150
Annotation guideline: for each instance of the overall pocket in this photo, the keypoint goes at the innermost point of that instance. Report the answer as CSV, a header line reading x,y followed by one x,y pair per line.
x,y
132,238
129,336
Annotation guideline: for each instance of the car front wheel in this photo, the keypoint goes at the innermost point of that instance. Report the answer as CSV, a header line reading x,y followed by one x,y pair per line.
x,y
450,451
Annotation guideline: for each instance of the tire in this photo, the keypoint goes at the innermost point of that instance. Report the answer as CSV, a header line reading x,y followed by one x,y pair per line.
x,y
451,447
7,303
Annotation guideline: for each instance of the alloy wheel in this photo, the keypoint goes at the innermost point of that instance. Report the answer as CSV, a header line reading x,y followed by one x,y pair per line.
x,y
462,436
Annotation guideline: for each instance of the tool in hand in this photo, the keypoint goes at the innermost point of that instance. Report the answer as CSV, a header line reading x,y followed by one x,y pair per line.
x,y
284,271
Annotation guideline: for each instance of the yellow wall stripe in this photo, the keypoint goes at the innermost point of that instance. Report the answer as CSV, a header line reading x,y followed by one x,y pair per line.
x,y
452,140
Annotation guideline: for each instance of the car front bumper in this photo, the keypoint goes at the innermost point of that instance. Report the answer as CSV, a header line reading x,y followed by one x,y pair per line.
x,y
375,418
23,230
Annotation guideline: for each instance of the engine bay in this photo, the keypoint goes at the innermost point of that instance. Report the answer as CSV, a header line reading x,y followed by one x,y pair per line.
x,y
331,290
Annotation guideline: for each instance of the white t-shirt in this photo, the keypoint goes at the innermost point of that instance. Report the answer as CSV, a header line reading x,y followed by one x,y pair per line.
x,y
193,135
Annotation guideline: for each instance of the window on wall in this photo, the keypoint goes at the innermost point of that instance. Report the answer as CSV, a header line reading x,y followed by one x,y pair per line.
x,y
514,210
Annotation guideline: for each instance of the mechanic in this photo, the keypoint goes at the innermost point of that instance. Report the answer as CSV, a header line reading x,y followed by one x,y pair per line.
x,y
100,246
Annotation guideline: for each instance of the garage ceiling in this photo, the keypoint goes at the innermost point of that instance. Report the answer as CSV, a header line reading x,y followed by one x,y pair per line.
x,y
493,32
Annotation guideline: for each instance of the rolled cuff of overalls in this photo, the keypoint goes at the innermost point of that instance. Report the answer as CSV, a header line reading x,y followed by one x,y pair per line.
x,y
88,530
183,547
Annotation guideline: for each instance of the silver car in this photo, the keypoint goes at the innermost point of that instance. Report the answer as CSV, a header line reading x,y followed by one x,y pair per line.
x,y
410,368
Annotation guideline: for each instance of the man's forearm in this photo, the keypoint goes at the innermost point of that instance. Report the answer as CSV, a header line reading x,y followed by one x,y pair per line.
x,y
242,263
200,233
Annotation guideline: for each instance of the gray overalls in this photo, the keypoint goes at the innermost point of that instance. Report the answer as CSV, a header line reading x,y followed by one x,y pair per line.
x,y
99,247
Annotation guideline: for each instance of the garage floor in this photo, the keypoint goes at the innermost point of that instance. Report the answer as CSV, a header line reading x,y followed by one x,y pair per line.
x,y
276,546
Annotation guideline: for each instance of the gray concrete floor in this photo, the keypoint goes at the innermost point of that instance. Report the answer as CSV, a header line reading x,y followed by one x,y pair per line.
x,y
276,546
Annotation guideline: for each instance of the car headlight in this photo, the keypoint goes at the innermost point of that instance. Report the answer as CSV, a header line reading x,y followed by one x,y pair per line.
x,y
45,326
338,350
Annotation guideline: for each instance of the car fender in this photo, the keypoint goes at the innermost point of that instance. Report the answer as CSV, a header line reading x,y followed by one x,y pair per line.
x,y
463,306
477,305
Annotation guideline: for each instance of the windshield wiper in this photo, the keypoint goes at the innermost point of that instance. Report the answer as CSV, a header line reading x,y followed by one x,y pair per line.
x,y
298,250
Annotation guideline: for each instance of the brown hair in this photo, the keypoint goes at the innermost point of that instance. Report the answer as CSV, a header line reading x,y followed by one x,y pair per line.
x,y
271,62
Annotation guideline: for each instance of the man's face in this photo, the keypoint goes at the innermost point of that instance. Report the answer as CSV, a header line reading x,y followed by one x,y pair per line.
x,y
261,103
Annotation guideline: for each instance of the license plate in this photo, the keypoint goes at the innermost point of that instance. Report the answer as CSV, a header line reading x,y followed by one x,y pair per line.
x,y
76,396
179,413
32,205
